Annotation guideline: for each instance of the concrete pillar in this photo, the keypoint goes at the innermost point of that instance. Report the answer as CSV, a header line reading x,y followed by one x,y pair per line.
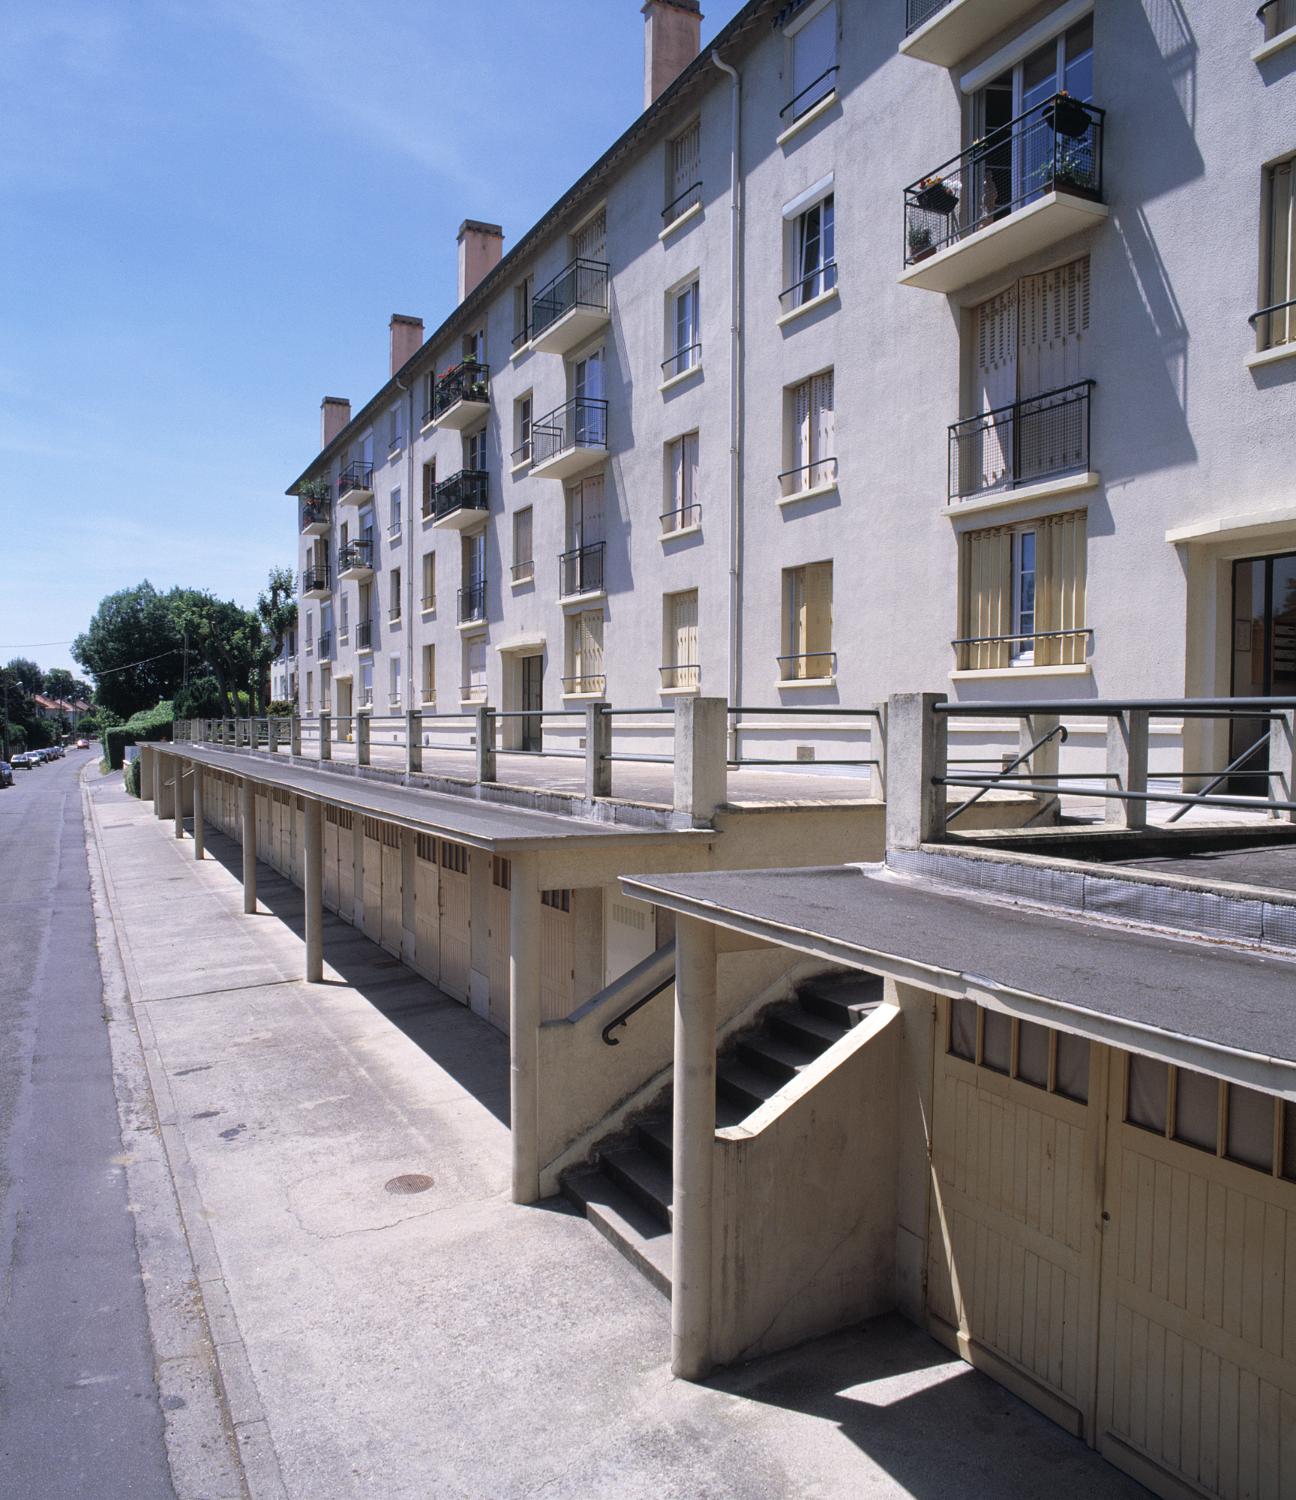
x,y
484,725
1282,782
198,831
294,735
693,1145
1045,762
325,738
598,747
362,739
1127,763
878,750
413,740
524,1026
917,752
701,759
272,736
313,885
247,807
154,767
177,801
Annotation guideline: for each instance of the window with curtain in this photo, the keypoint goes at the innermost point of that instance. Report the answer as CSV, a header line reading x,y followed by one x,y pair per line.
x,y
680,640
684,155
807,623
394,594
429,489
585,653
1022,595
523,557
429,581
682,508
394,517
811,438
522,430
815,254
429,674
684,344
1278,326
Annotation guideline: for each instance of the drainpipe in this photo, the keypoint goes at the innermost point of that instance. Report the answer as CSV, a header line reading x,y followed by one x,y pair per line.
x,y
735,404
407,525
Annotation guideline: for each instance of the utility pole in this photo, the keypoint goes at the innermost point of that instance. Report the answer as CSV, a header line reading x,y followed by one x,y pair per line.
x,y
4,730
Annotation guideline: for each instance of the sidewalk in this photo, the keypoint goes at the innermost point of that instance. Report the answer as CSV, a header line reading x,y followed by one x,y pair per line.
x,y
389,1326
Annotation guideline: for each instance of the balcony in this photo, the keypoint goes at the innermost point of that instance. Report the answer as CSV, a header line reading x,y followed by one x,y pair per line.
x,y
580,572
573,306
355,561
315,581
472,603
325,646
462,395
1030,442
1031,183
946,31
316,515
355,484
462,500
569,439
364,635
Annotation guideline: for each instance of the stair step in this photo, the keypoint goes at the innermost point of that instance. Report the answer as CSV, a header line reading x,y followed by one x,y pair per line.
x,y
775,1055
624,1222
743,1085
644,1176
806,1029
656,1137
844,1000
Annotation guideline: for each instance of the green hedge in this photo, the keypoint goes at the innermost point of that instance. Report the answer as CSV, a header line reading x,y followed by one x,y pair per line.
x,y
133,777
141,728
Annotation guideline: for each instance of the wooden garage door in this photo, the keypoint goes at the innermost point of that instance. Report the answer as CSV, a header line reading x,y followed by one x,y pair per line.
x,y
500,902
557,956
393,916
427,909
371,915
331,858
455,919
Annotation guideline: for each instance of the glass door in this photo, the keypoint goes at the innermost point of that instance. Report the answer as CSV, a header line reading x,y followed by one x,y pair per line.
x,y
1264,657
532,700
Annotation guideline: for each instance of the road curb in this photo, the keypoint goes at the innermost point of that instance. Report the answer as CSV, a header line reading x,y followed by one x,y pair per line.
x,y
217,1437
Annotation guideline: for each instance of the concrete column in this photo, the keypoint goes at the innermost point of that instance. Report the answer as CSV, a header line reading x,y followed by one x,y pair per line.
x,y
413,740
484,724
1044,763
693,1144
198,831
325,738
1282,782
177,801
313,885
272,736
598,746
701,756
247,804
362,739
917,752
878,749
294,735
153,768
524,1026
1127,763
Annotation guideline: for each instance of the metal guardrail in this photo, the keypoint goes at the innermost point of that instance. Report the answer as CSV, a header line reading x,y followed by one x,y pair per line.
x,y
582,283
1288,323
469,489
819,474
472,602
678,207
813,93
468,381
681,519
1021,443
816,283
580,571
682,361
579,423
1276,16
919,12
356,477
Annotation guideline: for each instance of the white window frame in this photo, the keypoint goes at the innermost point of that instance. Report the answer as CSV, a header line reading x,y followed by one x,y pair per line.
x,y
790,32
524,567
681,483
428,599
683,328
394,514
1022,651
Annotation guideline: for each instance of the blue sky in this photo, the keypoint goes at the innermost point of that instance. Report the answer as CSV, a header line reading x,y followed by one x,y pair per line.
x,y
209,209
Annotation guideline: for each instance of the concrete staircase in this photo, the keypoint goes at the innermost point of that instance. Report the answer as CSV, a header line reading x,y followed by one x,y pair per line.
x,y
626,1194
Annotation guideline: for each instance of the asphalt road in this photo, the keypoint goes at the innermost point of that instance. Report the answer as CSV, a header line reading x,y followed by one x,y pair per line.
x,y
79,1410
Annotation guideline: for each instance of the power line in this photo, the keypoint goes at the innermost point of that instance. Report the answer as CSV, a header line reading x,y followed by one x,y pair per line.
x,y
108,671
32,645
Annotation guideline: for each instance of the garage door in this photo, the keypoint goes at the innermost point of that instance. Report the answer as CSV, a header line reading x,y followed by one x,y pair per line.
x,y
455,919
557,956
500,901
371,913
393,916
427,909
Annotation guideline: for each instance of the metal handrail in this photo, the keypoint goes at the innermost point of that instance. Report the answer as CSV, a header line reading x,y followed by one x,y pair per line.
x,y
815,480
586,677
1058,732
580,571
1276,307
808,656
472,602
631,1010
672,211
796,98
315,577
826,274
355,554
919,12
1229,770
682,512
686,355
680,668
1106,708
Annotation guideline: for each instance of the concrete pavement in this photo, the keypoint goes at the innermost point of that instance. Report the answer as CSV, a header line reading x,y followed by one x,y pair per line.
x,y
390,1326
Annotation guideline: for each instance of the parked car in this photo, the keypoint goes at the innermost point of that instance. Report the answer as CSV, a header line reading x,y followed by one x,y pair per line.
x,y
6,773
22,761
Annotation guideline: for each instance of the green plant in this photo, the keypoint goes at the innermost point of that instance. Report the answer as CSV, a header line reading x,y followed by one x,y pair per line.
x,y
132,777
313,489
281,708
920,239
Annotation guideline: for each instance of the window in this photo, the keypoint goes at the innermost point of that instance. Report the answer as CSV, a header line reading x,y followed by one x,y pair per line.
x,y
429,490
474,346
366,684
523,558
1275,324
1022,595
474,666
813,46
429,674
394,526
584,653
807,623
522,294
310,634
556,900
394,595
814,255
683,172
474,450
810,436
364,618
590,240
326,685
310,692
344,621
1057,1061
429,397
429,582
680,640
394,681
396,428
472,595
522,414
683,335
682,508
582,561
588,427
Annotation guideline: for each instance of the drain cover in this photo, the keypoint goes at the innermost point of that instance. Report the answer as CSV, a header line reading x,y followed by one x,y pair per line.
x,y
409,1182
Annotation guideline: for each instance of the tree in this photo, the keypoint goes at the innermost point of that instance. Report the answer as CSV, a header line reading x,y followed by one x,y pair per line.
x,y
225,638
201,698
133,650
26,674
277,608
60,685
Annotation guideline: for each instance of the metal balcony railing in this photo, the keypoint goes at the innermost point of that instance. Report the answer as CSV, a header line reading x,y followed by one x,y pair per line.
x,y
584,283
580,571
919,12
819,474
394,613
315,576
680,518
469,381
1056,146
682,361
325,645
1029,441
1038,648
678,207
469,489
1276,325
801,665
816,283
472,602
588,682
581,423
355,555
364,635
813,93
355,477
314,513
1276,16
522,571
680,675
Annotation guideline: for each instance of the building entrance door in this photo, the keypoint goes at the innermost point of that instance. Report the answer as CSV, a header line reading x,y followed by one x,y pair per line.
x,y
1264,657
532,669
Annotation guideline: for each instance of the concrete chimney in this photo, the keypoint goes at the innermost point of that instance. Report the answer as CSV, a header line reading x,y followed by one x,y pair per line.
x,y
335,413
406,339
480,248
672,39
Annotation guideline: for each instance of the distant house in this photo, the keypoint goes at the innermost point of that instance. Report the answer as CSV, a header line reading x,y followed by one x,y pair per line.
x,y
71,709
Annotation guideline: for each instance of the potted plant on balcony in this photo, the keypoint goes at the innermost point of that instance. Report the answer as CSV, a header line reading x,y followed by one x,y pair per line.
x,y
1067,116
920,243
935,196
1073,172
313,490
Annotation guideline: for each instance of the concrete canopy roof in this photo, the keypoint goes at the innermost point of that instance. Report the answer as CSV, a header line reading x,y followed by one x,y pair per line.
x,y
1223,1009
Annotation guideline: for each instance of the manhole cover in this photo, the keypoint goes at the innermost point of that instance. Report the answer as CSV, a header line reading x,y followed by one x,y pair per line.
x,y
409,1182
